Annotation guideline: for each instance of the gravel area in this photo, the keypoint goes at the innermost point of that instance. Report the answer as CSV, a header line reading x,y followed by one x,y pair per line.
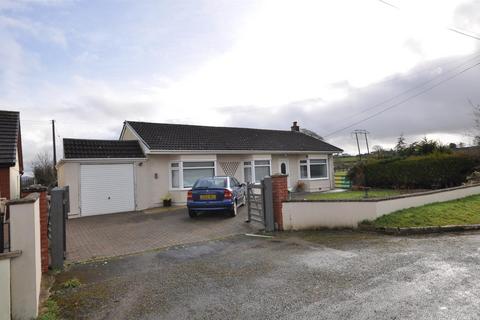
x,y
308,275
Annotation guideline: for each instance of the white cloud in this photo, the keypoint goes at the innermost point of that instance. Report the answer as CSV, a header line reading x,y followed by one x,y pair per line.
x,y
290,51
306,56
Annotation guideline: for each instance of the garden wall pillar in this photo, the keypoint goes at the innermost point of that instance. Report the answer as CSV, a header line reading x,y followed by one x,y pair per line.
x,y
26,272
280,194
43,222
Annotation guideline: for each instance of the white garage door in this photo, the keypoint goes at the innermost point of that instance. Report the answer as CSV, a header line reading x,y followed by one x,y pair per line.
x,y
106,188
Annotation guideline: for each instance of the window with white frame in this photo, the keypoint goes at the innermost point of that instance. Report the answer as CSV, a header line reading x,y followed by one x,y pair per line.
x,y
256,170
183,174
313,169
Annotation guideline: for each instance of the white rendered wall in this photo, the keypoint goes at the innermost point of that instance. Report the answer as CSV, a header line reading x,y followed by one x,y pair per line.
x,y
302,215
26,272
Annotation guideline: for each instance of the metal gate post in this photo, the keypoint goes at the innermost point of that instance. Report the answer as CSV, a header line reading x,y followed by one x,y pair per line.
x,y
248,203
267,192
66,211
2,236
57,230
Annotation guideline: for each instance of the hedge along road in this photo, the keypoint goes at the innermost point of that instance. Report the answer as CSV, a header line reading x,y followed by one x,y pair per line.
x,y
310,275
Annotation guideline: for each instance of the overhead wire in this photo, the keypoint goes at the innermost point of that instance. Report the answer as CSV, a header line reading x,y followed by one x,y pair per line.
x,y
404,100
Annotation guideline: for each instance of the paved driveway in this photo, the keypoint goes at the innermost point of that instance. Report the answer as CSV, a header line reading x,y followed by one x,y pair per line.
x,y
125,233
313,275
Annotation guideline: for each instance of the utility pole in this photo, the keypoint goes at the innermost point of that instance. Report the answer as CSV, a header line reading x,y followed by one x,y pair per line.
x,y
364,133
366,141
54,145
358,144
365,180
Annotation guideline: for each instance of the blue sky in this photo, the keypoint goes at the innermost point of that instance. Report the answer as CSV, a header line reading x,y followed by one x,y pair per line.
x,y
90,65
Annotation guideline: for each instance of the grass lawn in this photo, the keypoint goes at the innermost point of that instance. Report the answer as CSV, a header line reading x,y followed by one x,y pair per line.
x,y
353,195
461,211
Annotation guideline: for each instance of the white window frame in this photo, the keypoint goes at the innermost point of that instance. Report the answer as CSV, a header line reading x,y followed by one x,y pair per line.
x,y
252,168
308,169
180,171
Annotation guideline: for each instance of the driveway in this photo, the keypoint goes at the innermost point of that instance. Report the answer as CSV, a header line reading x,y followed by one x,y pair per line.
x,y
132,232
317,275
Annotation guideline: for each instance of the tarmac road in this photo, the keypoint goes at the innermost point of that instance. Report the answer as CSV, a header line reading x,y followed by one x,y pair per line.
x,y
308,275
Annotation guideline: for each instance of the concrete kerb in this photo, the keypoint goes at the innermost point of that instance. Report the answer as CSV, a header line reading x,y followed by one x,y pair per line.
x,y
399,231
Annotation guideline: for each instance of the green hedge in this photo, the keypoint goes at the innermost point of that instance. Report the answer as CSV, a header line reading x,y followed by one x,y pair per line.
x,y
432,171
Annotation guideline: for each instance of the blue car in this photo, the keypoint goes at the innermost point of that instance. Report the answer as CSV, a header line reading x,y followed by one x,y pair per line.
x,y
216,194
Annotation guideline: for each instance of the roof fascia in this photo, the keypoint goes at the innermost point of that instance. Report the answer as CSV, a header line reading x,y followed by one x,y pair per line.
x,y
145,146
238,151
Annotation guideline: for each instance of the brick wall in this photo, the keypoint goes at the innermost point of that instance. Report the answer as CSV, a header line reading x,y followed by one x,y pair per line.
x,y
5,183
43,224
280,194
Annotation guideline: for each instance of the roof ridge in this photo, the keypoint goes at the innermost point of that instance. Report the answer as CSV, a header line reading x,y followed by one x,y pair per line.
x,y
204,126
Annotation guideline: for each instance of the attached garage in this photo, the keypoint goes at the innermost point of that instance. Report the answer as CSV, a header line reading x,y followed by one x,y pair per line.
x,y
100,174
106,188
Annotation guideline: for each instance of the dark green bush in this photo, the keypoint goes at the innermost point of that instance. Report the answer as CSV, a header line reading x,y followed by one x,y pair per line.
x,y
437,170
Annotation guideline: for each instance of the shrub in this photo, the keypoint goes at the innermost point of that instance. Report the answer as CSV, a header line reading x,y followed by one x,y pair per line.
x,y
300,186
437,170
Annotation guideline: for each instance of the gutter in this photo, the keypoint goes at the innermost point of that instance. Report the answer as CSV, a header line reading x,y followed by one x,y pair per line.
x,y
62,161
236,152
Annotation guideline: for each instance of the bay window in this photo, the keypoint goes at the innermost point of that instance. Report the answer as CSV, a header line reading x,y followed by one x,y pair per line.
x,y
256,170
313,169
183,174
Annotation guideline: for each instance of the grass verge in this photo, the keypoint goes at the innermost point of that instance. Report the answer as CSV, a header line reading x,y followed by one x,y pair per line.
x,y
457,212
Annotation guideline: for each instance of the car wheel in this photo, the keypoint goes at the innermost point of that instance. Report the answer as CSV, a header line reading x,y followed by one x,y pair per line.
x,y
233,211
192,213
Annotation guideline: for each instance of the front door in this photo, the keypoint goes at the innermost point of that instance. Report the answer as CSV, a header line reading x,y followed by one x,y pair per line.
x,y
284,169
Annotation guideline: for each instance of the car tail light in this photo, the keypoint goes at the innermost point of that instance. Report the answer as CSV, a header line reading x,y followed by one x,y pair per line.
x,y
227,194
189,195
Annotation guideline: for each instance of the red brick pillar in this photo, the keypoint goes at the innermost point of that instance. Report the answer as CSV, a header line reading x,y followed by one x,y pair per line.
x,y
280,194
43,222
5,183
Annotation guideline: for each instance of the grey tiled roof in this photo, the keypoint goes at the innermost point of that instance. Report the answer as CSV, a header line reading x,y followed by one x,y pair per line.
x,y
9,131
161,136
97,149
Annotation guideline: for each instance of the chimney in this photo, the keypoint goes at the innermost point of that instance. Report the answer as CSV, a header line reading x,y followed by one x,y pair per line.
x,y
295,126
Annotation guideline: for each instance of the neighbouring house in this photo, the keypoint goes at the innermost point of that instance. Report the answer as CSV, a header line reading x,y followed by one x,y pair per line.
x,y
11,160
151,161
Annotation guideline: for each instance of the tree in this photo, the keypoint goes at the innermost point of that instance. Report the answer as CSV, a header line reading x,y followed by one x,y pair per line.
x,y
43,170
378,151
424,147
401,144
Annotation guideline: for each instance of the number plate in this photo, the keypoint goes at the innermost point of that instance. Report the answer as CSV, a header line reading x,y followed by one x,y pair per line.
x,y
208,197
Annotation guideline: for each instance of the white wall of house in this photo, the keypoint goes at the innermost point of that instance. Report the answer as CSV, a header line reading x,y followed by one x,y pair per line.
x,y
15,179
69,175
153,176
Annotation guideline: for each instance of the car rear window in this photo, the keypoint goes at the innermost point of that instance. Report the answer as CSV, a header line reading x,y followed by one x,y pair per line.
x,y
210,183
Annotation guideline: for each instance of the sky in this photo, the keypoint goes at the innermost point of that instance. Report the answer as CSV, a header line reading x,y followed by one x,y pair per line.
x,y
393,67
